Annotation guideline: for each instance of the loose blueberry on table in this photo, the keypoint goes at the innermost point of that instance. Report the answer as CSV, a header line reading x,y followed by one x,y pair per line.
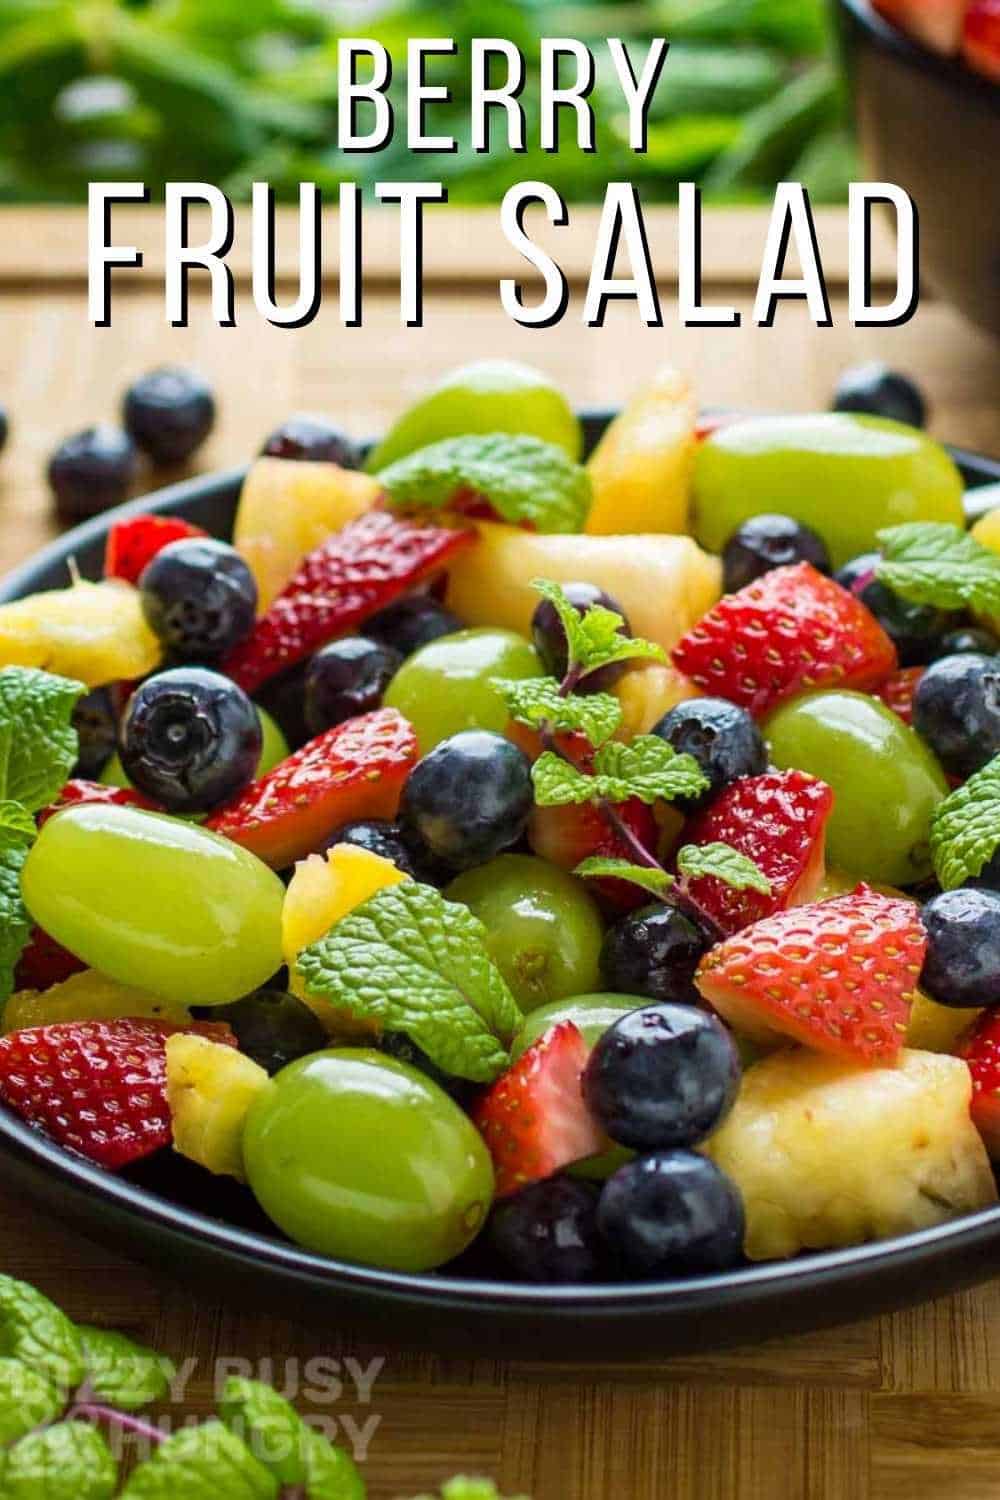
x,y
626,902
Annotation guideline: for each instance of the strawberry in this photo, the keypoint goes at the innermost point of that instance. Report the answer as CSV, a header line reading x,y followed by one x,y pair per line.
x,y
568,835
899,690
359,570
533,1119
779,821
95,791
981,1050
711,422
981,39
44,962
790,630
97,1087
353,771
838,976
134,543
936,23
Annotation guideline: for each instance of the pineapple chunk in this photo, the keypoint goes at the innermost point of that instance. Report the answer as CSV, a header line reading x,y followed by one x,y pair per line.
x,y
665,584
210,1089
937,1028
641,469
286,509
88,996
648,691
827,1154
95,632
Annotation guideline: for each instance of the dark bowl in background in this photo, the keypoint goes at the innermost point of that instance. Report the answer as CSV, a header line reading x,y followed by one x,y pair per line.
x,y
932,125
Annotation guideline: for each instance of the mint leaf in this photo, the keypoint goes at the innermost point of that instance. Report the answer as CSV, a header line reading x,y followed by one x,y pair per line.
x,y
27,1400
416,963
34,1330
537,701
594,639
122,1373
965,828
723,863
650,879
69,1462
17,833
930,562
462,1488
201,1463
558,784
294,1453
522,478
331,1474
648,768
38,744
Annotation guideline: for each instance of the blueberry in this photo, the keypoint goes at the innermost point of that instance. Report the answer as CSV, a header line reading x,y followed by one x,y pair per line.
x,y
766,542
956,709
169,413
378,837
412,622
199,597
653,952
468,799
190,738
662,1076
916,629
315,439
347,678
95,719
723,739
398,1045
963,948
284,697
548,1232
971,640
91,471
875,390
672,1213
549,637
989,877
273,1027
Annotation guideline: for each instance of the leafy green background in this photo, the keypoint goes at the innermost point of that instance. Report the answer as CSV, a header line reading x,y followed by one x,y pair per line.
x,y
232,91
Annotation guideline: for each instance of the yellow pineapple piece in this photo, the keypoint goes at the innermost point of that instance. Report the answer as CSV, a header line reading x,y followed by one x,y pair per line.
x,y
646,692
88,996
827,1153
94,632
837,882
641,468
987,530
937,1028
287,509
210,1088
665,584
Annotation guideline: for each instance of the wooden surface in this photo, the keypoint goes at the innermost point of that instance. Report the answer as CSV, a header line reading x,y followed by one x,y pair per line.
x,y
906,1406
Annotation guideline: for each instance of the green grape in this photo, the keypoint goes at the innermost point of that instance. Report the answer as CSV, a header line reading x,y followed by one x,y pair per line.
x,y
156,902
356,1155
845,476
273,750
544,929
885,780
591,1014
445,686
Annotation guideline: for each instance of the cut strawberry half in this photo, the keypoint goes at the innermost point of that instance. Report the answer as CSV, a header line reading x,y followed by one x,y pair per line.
x,y
936,23
78,791
899,691
354,771
131,545
790,630
566,836
981,1050
358,571
779,821
838,976
981,38
44,962
96,1087
533,1119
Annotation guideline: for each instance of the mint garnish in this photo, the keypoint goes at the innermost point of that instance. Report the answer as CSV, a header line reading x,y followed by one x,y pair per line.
x,y
201,1463
126,1374
539,703
17,833
649,877
28,1399
294,1453
70,1461
34,1330
965,828
648,768
523,478
928,562
462,1488
593,639
723,863
38,744
416,963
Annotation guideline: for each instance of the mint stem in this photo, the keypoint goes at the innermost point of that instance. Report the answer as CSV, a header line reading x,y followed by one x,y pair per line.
x,y
571,681
92,1411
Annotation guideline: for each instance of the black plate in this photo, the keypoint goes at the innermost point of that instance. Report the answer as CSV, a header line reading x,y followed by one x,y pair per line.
x,y
178,1219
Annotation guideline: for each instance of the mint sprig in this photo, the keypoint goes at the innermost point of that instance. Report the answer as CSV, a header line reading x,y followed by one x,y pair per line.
x,y
38,744
723,863
28,1400
650,877
121,1372
70,1461
524,479
201,1463
929,562
648,768
965,828
462,1488
35,1331
295,1453
596,638
17,833
539,703
416,963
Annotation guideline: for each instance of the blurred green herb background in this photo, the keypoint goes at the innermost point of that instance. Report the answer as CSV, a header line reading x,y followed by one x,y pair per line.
x,y
233,91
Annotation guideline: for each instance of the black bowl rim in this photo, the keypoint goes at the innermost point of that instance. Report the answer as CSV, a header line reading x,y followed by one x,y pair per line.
x,y
951,71
279,1259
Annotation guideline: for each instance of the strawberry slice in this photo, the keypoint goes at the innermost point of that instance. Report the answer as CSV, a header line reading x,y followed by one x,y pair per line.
x,y
790,630
981,1050
981,38
779,821
533,1119
354,771
566,836
838,976
936,23
44,962
899,691
97,1087
364,567
134,543
95,791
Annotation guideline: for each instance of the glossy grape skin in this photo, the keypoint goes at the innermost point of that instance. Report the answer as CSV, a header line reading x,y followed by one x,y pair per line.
x,y
766,542
548,1232
156,902
273,1028
543,929
356,1155
885,780
591,1014
446,687
845,476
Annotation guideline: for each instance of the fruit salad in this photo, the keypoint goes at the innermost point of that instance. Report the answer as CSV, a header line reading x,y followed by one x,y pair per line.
x,y
966,28
586,870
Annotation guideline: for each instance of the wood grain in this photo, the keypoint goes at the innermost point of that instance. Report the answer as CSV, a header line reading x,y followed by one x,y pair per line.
x,y
901,1408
